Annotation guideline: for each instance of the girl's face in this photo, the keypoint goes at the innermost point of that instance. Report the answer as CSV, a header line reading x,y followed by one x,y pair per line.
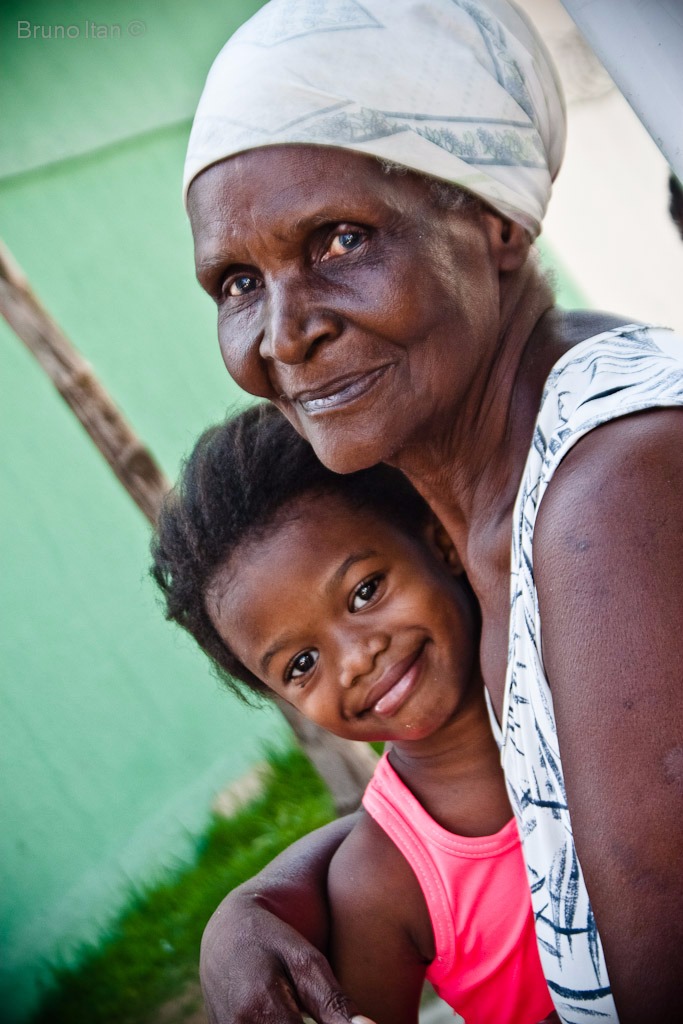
x,y
359,626
345,296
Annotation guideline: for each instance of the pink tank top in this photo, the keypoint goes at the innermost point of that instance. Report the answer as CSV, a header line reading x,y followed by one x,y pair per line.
x,y
487,965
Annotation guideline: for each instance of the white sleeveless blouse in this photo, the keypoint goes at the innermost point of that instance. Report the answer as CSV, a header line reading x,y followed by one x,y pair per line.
x,y
622,371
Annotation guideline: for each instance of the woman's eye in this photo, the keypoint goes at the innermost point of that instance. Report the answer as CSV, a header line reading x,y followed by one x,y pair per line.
x,y
343,242
241,285
301,664
364,593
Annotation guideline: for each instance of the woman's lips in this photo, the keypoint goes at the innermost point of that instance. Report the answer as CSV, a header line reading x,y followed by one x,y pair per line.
x,y
391,692
339,392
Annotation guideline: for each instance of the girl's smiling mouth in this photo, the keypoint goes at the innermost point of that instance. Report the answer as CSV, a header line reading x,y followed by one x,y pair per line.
x,y
396,685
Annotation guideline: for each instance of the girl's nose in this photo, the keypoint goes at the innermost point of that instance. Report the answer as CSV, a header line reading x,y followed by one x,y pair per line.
x,y
296,322
358,657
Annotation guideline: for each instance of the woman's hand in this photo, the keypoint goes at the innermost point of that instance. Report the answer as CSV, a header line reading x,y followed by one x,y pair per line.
x,y
255,963
254,967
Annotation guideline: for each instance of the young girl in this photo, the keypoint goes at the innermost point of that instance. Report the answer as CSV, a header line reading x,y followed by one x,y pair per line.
x,y
339,594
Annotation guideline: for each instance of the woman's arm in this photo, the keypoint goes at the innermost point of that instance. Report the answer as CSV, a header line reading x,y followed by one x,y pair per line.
x,y
255,966
382,940
608,559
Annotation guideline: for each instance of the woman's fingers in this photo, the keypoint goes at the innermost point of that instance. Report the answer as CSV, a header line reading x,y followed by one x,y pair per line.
x,y
319,992
258,970
269,997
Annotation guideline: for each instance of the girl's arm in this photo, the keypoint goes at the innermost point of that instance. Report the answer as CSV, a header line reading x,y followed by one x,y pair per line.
x,y
255,964
608,559
382,940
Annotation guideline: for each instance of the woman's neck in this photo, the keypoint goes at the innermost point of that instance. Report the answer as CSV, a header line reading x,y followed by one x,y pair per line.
x,y
470,469
470,472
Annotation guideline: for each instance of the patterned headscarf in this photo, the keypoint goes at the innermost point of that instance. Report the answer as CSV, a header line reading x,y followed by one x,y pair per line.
x,y
463,90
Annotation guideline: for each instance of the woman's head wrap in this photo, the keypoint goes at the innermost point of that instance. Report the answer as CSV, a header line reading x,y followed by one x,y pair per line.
x,y
463,90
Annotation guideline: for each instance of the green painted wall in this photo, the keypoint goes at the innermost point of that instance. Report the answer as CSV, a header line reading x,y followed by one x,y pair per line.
x,y
113,733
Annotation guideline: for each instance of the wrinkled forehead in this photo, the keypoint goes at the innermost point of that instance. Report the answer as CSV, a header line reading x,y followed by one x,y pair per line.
x,y
282,187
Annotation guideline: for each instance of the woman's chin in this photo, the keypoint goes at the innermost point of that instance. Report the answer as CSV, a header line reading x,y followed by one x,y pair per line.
x,y
342,457
340,449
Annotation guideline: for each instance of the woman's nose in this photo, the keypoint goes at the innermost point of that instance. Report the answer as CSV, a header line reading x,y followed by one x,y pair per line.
x,y
297,322
358,657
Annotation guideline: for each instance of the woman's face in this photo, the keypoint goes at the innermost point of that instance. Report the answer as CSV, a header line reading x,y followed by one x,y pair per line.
x,y
346,296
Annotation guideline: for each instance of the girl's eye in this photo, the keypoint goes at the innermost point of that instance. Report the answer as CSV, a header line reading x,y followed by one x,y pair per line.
x,y
343,242
364,593
241,285
301,664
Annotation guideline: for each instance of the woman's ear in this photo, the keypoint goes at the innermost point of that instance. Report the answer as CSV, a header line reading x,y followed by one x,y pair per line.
x,y
510,242
442,545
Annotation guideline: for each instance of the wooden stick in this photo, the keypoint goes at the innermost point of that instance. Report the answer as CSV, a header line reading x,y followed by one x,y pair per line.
x,y
132,462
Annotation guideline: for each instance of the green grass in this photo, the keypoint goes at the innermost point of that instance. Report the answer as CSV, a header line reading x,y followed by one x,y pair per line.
x,y
151,952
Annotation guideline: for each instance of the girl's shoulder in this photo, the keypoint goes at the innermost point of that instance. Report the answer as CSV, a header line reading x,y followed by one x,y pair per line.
x,y
365,876
381,941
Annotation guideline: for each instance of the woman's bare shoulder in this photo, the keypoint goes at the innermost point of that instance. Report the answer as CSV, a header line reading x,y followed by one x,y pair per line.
x,y
607,539
628,467
608,565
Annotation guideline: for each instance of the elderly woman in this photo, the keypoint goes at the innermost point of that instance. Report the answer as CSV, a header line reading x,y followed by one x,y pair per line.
x,y
364,185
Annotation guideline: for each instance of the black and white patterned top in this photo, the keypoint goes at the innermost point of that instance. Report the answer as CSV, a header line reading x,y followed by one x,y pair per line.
x,y
622,371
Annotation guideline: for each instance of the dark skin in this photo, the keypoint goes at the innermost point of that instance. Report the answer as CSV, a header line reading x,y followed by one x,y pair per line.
x,y
366,631
440,328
